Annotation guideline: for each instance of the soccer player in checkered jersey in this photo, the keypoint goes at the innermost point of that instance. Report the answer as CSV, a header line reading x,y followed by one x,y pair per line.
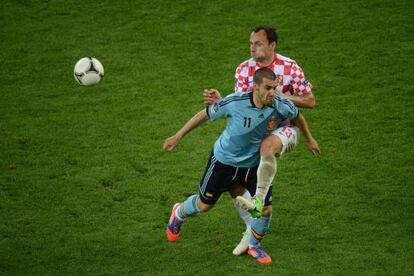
x,y
292,84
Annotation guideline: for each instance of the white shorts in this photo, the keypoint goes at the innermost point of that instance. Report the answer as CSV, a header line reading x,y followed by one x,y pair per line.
x,y
289,137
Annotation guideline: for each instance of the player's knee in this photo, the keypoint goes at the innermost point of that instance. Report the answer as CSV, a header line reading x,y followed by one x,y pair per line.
x,y
271,145
267,211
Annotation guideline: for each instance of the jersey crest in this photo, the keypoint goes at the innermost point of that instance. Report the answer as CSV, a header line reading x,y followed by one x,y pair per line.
x,y
271,124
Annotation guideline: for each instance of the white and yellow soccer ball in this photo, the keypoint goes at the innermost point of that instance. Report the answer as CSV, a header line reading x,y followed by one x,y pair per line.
x,y
88,71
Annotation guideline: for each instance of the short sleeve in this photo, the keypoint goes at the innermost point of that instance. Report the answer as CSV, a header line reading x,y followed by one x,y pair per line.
x,y
218,109
241,80
301,86
288,109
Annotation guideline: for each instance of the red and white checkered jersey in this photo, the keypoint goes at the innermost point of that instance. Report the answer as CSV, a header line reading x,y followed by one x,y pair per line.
x,y
292,79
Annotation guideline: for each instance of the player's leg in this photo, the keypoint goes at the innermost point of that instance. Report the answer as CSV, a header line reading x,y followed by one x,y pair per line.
x,y
244,215
211,186
281,140
259,228
270,147
238,190
180,211
249,181
266,172
284,139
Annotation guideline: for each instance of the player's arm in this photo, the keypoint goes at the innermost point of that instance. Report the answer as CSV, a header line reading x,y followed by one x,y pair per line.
x,y
304,101
304,128
198,119
302,89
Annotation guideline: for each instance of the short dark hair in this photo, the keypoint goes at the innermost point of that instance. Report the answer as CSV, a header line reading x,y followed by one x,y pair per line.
x,y
262,73
271,32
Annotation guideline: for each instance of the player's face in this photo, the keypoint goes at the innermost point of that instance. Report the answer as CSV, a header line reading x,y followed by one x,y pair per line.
x,y
260,48
266,91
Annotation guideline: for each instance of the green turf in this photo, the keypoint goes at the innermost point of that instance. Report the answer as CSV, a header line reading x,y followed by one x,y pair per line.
x,y
85,187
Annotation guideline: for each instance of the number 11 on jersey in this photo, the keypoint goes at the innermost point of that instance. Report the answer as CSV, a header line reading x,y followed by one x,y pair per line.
x,y
247,122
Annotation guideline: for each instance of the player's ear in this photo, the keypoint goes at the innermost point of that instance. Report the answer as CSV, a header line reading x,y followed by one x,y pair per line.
x,y
273,45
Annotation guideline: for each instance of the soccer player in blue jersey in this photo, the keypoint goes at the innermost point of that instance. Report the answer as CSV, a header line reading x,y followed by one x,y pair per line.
x,y
236,153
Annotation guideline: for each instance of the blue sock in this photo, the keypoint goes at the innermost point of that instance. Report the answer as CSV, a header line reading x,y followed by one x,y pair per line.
x,y
189,207
259,229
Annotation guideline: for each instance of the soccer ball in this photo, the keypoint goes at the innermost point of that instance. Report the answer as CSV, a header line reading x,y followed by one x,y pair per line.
x,y
88,71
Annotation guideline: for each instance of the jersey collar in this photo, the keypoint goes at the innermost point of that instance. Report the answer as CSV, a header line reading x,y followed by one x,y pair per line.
x,y
251,99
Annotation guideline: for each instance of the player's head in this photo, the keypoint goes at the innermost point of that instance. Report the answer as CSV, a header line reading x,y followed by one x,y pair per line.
x,y
263,40
264,86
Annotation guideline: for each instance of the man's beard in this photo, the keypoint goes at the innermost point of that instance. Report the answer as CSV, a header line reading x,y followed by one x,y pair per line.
x,y
261,59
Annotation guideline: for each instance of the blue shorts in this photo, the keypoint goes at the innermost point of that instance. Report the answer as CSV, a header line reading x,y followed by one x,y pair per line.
x,y
219,178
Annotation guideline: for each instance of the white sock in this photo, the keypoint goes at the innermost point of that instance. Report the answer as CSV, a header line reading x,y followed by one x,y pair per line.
x,y
245,216
265,174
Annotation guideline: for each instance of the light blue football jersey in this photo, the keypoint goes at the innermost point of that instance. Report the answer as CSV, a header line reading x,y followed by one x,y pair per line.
x,y
247,126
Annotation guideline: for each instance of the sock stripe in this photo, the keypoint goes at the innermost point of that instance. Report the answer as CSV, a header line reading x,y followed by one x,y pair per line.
x,y
258,236
259,228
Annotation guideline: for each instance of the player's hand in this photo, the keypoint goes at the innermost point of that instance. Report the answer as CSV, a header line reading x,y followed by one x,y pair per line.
x,y
313,146
211,96
171,142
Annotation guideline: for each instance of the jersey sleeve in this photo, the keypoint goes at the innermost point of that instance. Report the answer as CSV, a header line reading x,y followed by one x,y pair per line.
x,y
288,109
241,80
300,85
218,109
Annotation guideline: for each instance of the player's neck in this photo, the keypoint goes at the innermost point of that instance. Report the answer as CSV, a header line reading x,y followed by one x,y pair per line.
x,y
256,101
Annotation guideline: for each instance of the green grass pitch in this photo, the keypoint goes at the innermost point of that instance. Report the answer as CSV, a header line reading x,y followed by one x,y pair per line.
x,y
85,187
